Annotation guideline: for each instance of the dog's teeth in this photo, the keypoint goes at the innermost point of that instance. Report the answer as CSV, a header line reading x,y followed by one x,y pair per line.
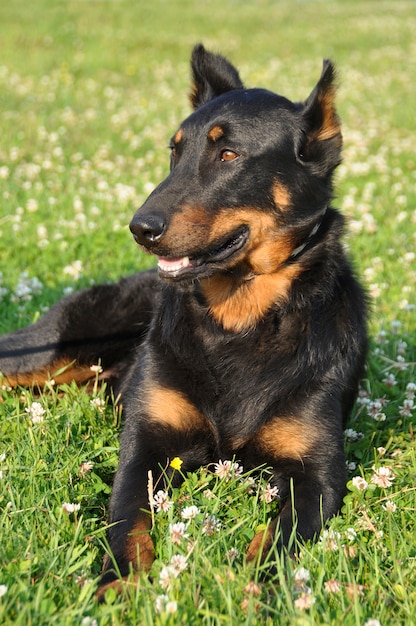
x,y
173,265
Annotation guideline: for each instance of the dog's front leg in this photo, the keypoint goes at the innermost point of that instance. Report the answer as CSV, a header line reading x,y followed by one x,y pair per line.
x,y
131,546
302,516
167,426
308,465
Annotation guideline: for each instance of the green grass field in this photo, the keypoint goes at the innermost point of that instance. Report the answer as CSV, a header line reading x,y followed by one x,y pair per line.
x,y
90,93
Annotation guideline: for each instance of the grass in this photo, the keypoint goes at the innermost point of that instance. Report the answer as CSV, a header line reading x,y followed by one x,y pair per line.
x,y
90,94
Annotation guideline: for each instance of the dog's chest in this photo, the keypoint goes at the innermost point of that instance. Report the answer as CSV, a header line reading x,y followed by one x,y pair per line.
x,y
232,384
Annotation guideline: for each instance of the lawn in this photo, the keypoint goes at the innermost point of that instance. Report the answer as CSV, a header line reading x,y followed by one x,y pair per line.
x,y
90,93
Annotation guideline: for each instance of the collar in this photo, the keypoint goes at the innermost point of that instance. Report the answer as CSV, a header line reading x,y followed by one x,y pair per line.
x,y
298,251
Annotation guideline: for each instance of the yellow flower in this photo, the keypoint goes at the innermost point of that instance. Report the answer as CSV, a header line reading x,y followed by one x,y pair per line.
x,y
176,463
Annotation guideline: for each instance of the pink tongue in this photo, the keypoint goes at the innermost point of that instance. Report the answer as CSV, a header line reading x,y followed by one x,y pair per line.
x,y
172,265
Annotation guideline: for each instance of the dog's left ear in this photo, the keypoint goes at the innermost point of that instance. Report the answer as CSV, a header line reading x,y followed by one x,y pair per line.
x,y
212,76
322,138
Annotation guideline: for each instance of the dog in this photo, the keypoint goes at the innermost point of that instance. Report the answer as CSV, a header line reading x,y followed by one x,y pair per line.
x,y
249,339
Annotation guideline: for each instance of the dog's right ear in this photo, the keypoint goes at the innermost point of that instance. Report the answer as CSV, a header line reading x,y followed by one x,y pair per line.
x,y
212,76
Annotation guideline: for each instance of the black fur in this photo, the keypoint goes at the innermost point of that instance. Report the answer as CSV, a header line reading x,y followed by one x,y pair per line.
x,y
252,344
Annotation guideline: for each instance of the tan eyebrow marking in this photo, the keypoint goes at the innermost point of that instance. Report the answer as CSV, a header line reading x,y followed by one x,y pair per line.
x,y
216,133
178,136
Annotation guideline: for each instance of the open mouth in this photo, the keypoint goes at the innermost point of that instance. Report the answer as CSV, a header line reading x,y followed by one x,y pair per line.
x,y
189,267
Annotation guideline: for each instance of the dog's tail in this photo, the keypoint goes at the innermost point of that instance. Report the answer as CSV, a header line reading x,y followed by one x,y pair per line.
x,y
100,326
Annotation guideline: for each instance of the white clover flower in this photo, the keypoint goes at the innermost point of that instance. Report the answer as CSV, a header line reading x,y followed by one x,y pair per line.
x,y
359,483
26,287
331,539
177,532
395,326
374,410
179,562
98,403
350,466
410,390
163,604
32,205
232,553
305,600
252,588
353,435
406,410
381,337
161,501
400,363
401,347
269,493
332,586
211,525
74,269
190,512
167,575
89,621
36,412
86,467
350,534
227,469
160,603
389,380
70,507
379,417
171,607
3,590
148,187
301,575
382,476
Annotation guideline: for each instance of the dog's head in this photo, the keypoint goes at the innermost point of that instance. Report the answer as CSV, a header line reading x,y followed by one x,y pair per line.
x,y
250,177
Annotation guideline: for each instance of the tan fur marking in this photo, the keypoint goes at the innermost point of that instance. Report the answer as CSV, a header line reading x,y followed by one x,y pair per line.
x,y
239,306
139,544
330,122
216,133
172,408
178,136
188,228
281,195
119,585
194,228
139,550
228,220
261,543
240,309
62,371
286,437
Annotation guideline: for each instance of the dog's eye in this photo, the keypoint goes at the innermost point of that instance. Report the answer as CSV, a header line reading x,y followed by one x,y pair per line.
x,y
228,155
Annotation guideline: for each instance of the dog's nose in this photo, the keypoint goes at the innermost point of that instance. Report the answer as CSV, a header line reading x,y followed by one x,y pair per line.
x,y
147,229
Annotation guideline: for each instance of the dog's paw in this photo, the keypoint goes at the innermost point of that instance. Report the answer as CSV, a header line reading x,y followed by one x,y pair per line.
x,y
108,591
262,543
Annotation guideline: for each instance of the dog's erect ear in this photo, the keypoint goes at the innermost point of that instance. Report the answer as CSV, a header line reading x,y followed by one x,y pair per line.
x,y
212,76
322,140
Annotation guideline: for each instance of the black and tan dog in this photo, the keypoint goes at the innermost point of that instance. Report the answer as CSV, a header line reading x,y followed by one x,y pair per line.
x,y
249,340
